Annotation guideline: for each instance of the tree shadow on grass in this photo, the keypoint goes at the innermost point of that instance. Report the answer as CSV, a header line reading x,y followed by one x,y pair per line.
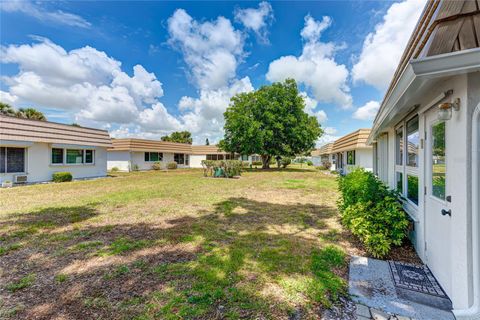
x,y
243,259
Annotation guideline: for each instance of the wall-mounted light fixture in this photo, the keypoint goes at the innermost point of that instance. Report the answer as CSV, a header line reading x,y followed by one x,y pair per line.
x,y
445,109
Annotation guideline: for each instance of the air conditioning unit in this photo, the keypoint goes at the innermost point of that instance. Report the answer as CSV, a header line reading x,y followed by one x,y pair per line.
x,y
20,178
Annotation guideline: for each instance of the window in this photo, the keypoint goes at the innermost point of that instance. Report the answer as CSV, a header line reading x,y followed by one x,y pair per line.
x,y
406,159
12,160
399,146
57,156
153,156
256,158
413,144
74,156
89,156
399,179
351,157
412,189
438,160
244,157
179,158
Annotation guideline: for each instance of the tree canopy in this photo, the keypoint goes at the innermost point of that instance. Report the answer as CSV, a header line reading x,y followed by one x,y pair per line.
x,y
271,122
179,136
207,142
24,113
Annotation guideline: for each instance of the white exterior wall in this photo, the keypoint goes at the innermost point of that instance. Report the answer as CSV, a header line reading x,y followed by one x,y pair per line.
x,y
364,159
39,169
196,160
458,183
118,159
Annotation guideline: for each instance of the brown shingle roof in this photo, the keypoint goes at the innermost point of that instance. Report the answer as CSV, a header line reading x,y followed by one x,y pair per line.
x,y
211,149
129,144
17,129
326,149
351,141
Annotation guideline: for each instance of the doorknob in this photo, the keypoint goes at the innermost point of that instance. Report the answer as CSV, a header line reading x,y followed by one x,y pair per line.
x,y
446,212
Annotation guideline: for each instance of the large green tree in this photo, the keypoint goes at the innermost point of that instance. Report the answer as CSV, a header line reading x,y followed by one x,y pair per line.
x,y
271,122
179,136
7,110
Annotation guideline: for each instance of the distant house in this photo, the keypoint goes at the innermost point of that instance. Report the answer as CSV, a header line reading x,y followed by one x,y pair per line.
x,y
140,154
31,150
210,152
324,154
352,151
432,106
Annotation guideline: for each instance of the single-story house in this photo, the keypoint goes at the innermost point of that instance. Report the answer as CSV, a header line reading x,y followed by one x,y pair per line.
x,y
352,151
432,106
322,155
31,150
140,154
210,152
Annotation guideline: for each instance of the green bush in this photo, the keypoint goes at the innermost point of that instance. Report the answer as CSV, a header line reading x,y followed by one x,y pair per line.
x,y
135,167
156,165
309,163
114,169
285,161
62,176
257,163
326,165
372,212
230,168
172,165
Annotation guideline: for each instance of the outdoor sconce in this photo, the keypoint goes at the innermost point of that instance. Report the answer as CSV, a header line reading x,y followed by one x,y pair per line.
x,y
445,109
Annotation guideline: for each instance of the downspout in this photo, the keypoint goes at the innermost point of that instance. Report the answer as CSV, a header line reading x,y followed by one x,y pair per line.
x,y
473,313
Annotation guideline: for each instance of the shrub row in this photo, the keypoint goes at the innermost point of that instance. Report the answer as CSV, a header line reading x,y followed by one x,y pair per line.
x,y
222,168
372,212
61,176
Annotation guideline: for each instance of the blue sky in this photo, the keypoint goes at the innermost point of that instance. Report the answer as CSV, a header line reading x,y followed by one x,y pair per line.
x,y
145,69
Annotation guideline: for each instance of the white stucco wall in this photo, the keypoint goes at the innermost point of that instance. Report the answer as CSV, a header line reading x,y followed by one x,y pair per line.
x,y
39,168
364,158
138,158
118,159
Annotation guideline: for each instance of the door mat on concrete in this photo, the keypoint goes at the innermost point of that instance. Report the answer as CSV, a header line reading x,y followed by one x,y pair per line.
x,y
416,278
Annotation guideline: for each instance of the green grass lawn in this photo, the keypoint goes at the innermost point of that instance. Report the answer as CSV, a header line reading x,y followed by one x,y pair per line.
x,y
173,245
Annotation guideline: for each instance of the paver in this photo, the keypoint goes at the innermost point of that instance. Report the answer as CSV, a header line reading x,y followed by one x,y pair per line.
x,y
379,315
363,310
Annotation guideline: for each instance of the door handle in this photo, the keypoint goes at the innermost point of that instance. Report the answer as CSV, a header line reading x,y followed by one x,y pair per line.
x,y
446,212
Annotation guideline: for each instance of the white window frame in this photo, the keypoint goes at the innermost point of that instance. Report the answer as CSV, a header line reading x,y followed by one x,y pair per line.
x,y
404,169
25,159
64,163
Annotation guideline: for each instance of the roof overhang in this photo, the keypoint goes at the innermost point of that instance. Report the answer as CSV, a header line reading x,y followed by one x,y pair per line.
x,y
418,76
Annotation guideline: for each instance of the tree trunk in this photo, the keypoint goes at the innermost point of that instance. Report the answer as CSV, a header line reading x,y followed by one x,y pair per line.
x,y
266,161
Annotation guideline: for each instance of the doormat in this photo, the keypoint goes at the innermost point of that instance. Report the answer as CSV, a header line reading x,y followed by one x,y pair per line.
x,y
416,278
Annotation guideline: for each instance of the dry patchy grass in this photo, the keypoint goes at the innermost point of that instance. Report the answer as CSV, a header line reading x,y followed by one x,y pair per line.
x,y
169,245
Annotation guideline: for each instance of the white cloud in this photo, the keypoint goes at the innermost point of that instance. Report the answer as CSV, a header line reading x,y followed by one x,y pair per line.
x,y
368,111
383,48
36,11
157,119
8,98
316,67
311,105
330,130
84,81
256,20
212,50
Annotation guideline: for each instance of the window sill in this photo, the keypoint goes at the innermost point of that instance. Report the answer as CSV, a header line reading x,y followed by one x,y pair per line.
x,y
411,210
72,164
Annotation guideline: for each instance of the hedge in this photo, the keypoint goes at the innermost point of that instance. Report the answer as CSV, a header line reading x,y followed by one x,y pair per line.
x,y
62,176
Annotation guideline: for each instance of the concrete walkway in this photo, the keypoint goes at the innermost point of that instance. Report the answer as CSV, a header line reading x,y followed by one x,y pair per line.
x,y
371,286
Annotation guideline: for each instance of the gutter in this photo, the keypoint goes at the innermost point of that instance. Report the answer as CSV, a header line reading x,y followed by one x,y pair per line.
x,y
424,69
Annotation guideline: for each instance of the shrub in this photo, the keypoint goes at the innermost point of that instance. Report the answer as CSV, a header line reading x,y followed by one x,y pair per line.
x,y
62,176
172,165
285,161
372,212
156,165
135,167
114,169
257,163
326,165
309,163
229,168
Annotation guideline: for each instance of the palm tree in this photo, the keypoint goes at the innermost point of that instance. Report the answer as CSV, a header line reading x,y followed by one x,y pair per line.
x,y
31,113
7,110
